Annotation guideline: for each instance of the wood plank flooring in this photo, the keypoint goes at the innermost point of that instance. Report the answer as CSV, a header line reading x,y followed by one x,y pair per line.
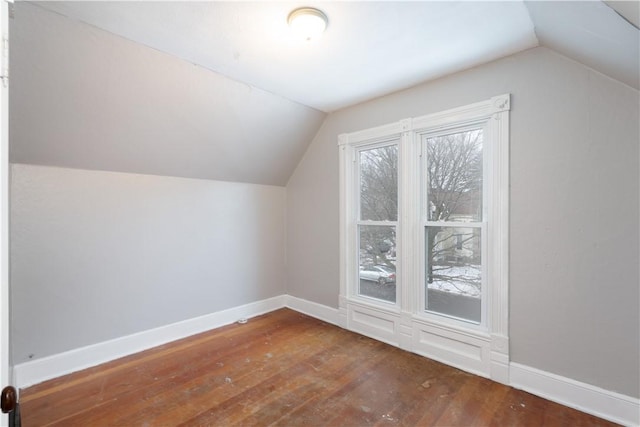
x,y
284,369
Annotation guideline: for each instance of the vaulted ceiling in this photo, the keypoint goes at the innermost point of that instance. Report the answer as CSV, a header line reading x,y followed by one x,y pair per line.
x,y
220,90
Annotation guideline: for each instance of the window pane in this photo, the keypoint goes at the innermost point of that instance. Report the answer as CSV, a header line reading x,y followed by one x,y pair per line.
x,y
454,271
454,171
379,184
377,270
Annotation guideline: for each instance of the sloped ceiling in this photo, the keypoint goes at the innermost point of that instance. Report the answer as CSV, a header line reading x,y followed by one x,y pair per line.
x,y
369,49
220,90
83,98
629,10
592,33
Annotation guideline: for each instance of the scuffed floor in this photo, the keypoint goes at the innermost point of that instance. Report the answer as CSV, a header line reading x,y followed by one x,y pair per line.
x,y
284,369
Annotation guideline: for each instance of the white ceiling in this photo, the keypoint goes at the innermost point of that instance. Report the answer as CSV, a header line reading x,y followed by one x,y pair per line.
x,y
113,86
629,10
370,48
592,33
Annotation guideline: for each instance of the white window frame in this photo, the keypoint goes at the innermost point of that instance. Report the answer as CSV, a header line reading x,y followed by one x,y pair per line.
x,y
479,348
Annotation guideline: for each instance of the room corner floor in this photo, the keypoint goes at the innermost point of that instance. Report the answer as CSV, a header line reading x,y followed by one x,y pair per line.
x,y
285,369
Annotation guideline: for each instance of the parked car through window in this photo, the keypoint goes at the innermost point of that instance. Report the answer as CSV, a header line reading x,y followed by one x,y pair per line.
x,y
378,273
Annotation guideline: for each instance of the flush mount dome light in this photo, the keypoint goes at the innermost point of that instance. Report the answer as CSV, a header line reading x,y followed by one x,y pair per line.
x,y
307,23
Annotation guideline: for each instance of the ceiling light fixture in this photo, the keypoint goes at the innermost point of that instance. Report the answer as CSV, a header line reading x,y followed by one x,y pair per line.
x,y
307,23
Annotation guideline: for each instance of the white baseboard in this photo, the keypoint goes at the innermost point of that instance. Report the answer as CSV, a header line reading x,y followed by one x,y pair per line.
x,y
313,309
36,371
602,403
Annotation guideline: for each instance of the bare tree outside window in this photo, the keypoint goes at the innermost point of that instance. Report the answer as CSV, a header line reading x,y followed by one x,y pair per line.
x,y
454,169
379,184
454,195
378,204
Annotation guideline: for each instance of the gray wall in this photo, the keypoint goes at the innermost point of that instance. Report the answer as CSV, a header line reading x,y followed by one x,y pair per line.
x,y
574,285
99,255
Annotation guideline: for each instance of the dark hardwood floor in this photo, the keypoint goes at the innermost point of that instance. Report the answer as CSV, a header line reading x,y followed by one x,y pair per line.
x,y
284,369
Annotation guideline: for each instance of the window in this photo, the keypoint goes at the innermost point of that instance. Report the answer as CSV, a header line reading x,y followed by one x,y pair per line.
x,y
377,221
453,222
424,235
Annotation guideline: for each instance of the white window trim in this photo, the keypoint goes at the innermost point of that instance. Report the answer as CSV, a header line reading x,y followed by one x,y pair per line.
x,y
482,349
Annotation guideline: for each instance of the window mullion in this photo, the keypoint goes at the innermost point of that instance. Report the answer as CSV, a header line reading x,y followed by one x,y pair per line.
x,y
409,221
